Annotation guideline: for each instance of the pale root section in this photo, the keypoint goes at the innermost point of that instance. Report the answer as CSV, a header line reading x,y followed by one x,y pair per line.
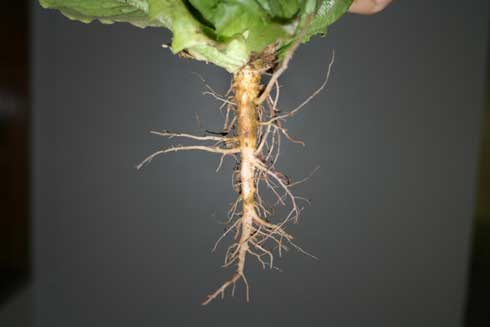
x,y
246,87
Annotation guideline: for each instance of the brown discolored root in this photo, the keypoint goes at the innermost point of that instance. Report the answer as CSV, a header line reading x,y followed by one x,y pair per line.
x,y
252,135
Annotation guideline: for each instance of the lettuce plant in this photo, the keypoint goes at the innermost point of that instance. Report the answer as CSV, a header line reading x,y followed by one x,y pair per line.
x,y
253,40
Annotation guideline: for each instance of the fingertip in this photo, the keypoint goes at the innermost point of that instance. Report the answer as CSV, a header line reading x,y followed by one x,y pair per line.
x,y
368,7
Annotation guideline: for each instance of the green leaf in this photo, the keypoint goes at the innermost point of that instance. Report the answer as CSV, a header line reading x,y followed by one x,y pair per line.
x,y
280,9
106,11
224,32
328,13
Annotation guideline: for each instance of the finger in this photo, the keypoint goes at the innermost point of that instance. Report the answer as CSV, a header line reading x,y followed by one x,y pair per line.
x,y
368,7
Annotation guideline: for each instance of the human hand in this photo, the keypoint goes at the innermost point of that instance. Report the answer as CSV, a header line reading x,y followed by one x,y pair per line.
x,y
368,7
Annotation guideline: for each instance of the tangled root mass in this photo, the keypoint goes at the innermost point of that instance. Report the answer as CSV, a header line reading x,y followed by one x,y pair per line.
x,y
252,132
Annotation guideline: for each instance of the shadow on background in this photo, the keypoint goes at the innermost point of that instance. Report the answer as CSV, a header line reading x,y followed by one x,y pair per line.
x,y
478,313
14,148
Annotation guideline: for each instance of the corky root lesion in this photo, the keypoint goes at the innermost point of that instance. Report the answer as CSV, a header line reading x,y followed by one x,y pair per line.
x,y
251,134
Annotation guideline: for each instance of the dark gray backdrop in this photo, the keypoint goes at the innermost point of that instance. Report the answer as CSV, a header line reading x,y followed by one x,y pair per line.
x,y
395,134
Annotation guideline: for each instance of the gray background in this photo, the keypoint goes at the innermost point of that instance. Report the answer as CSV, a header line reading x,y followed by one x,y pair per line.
x,y
396,136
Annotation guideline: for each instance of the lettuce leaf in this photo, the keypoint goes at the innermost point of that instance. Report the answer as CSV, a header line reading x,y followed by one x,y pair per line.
x,y
224,32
